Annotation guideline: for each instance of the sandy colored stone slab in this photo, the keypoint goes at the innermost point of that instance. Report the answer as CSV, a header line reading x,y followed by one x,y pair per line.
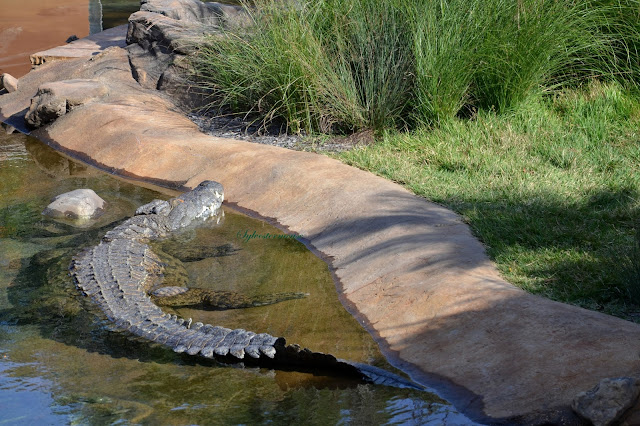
x,y
84,47
410,270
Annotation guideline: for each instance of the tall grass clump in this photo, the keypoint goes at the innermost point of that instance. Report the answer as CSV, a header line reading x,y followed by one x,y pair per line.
x,y
445,36
535,46
255,69
493,54
349,65
322,66
622,26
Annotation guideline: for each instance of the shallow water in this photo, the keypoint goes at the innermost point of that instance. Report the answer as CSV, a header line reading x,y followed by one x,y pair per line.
x,y
61,364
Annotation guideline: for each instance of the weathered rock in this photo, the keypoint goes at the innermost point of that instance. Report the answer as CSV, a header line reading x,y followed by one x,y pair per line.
x,y
153,31
196,11
77,204
164,31
608,400
9,82
154,42
82,48
57,98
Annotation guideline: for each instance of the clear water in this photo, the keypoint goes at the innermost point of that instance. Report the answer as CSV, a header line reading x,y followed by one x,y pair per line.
x,y
61,364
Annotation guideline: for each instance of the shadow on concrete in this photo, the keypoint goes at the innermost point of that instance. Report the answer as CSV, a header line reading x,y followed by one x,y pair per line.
x,y
581,241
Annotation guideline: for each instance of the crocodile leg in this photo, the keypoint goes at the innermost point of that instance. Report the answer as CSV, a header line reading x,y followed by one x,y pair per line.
x,y
215,299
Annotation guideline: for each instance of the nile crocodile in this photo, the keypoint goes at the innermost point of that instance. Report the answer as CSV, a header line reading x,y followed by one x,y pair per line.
x,y
121,276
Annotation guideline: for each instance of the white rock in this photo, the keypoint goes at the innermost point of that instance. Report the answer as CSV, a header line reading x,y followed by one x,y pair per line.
x,y
9,82
78,204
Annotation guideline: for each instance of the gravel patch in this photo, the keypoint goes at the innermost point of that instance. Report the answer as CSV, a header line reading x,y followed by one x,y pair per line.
x,y
236,128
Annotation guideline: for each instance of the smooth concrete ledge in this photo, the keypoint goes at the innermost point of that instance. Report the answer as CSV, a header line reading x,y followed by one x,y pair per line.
x,y
409,270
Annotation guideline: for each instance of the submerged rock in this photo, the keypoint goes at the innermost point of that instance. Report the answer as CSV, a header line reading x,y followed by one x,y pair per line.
x,y
77,204
9,82
608,400
55,165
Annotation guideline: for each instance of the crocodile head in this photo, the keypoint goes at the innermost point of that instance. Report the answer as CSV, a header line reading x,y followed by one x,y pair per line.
x,y
201,203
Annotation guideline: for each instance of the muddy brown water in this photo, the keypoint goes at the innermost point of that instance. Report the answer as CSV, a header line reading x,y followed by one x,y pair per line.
x,y
30,26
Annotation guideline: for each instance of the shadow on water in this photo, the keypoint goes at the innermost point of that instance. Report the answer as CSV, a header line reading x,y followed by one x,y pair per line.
x,y
54,340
